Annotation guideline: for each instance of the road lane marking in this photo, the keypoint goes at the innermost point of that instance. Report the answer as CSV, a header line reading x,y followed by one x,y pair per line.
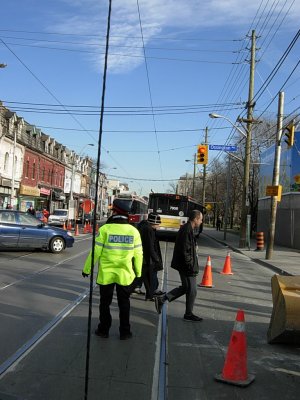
x,y
286,371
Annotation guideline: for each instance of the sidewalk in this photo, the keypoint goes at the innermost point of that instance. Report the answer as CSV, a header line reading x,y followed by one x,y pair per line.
x,y
285,261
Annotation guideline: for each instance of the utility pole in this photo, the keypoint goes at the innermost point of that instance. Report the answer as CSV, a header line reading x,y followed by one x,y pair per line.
x,y
227,197
275,182
12,193
194,175
249,120
204,169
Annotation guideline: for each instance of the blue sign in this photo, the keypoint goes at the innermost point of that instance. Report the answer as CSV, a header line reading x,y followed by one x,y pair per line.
x,y
222,147
289,168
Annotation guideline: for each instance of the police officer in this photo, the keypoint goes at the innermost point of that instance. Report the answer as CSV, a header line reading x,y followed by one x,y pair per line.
x,y
118,250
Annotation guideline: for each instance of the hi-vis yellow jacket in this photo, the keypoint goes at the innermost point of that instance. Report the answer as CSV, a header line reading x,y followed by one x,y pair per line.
x,y
119,253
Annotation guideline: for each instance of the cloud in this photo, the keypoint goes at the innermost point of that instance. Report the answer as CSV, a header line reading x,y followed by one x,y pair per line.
x,y
158,18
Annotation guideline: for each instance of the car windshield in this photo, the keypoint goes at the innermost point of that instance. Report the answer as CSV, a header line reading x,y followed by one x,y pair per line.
x,y
28,219
60,212
7,217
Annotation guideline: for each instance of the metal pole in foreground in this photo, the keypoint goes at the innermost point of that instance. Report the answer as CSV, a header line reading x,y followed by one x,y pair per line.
x,y
276,168
88,344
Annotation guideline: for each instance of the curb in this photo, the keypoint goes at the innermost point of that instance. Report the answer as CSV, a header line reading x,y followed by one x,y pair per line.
x,y
278,270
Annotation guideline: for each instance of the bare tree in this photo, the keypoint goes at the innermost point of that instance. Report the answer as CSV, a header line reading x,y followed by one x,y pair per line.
x,y
172,187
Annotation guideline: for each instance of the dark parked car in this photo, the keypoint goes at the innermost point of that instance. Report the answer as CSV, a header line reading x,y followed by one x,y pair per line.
x,y
20,230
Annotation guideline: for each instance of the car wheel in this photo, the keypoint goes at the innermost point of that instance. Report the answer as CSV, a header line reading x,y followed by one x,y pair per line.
x,y
57,244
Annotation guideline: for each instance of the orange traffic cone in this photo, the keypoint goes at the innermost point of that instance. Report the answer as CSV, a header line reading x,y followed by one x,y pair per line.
x,y
235,367
69,226
207,275
227,266
64,227
89,227
76,230
85,230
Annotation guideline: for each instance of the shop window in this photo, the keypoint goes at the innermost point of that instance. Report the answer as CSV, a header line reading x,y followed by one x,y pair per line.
x,y
33,171
27,169
6,162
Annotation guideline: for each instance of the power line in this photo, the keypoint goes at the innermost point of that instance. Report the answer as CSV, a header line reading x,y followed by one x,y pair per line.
x,y
149,89
127,107
143,179
125,54
113,114
130,131
277,67
210,50
122,36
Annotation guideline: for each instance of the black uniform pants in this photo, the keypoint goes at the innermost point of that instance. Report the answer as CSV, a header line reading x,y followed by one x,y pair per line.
x,y
106,296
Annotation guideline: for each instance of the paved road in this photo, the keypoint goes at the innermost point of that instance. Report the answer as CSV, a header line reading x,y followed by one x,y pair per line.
x,y
55,367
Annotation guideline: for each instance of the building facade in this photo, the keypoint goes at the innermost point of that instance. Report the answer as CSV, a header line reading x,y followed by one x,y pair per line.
x,y
37,170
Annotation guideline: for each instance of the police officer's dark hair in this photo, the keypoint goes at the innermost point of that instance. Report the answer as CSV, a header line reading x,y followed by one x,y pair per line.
x,y
194,214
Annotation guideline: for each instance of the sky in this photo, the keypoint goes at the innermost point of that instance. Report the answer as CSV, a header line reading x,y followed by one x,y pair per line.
x,y
170,64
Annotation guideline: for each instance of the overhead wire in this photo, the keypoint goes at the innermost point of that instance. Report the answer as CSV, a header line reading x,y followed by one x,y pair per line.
x,y
270,14
278,27
58,101
236,83
188,106
126,54
236,74
210,50
282,87
149,88
122,36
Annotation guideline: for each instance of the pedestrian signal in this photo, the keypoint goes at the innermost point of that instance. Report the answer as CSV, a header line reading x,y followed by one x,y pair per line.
x,y
202,154
290,134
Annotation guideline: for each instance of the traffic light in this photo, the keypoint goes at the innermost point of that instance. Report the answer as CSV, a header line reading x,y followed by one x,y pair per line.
x,y
202,154
290,134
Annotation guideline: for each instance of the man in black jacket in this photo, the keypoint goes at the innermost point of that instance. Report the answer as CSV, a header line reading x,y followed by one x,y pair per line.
x,y
152,259
185,261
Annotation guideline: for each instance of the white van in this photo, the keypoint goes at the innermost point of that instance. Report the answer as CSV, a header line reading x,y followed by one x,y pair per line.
x,y
58,217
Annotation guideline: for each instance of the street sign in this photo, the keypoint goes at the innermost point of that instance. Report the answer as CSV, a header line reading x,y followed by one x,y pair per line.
x,y
208,206
223,147
274,191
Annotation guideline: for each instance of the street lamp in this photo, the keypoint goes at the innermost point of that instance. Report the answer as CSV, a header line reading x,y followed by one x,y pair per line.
x,y
84,147
213,115
247,135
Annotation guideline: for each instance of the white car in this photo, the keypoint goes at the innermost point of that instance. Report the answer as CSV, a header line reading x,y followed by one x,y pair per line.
x,y
58,217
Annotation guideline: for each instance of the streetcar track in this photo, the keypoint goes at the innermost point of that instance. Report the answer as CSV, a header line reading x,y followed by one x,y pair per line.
x,y
27,347
159,382
32,275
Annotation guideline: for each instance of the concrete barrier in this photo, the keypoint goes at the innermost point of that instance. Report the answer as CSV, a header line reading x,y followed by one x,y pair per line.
x,y
285,320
